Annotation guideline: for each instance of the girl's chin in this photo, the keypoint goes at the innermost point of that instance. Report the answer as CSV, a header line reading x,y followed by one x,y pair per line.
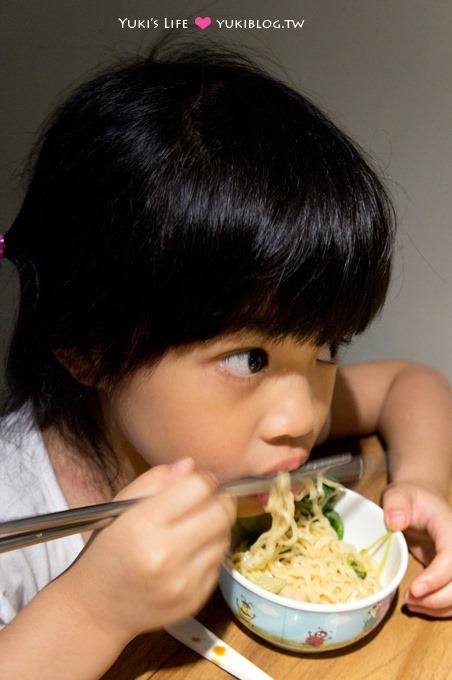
x,y
248,506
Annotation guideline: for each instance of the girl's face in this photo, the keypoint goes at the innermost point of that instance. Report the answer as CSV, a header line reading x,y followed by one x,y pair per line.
x,y
238,405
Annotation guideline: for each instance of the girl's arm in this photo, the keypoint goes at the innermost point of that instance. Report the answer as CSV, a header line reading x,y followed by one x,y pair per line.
x,y
410,406
155,564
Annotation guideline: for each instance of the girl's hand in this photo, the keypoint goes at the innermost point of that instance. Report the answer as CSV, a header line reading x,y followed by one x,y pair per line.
x,y
427,518
157,562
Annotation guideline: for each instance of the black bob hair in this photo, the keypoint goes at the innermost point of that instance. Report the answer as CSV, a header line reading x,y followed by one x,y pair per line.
x,y
177,198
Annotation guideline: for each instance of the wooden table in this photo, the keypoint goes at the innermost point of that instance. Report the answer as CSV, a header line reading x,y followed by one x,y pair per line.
x,y
405,647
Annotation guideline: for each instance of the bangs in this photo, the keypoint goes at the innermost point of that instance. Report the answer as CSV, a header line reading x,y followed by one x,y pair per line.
x,y
327,282
271,218
276,258
288,237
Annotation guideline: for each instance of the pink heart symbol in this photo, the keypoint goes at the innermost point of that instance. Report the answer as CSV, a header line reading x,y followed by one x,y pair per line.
x,y
203,22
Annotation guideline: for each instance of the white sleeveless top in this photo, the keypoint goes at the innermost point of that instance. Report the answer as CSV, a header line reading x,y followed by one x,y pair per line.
x,y
28,486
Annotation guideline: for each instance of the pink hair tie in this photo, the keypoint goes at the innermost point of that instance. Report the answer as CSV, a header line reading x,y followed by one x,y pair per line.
x,y
2,246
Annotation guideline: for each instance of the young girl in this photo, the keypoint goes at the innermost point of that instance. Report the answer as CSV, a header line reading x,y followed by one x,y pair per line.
x,y
196,243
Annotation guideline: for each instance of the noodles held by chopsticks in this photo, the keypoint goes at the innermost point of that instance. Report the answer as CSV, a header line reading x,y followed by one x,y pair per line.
x,y
301,556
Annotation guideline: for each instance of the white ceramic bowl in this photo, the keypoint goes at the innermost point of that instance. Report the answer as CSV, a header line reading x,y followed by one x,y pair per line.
x,y
305,627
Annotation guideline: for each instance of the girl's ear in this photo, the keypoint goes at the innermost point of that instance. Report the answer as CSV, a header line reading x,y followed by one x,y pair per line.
x,y
81,367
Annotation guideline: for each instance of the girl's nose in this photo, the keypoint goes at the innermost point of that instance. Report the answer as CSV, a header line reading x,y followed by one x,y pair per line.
x,y
290,410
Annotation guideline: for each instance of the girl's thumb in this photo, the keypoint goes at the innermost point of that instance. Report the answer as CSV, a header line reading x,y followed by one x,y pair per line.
x,y
397,508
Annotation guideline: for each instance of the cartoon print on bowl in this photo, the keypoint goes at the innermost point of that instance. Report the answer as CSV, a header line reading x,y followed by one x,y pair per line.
x,y
300,630
244,610
375,615
318,638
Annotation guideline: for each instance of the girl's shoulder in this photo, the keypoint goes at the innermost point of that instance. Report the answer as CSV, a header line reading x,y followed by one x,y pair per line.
x,y
27,481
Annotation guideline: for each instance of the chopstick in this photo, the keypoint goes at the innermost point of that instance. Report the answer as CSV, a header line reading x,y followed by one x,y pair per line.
x,y
26,531
65,518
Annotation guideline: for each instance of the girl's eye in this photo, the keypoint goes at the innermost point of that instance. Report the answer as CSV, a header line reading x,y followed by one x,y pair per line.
x,y
328,353
246,363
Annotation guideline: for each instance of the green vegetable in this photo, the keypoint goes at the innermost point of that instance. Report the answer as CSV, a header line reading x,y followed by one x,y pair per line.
x,y
336,522
331,494
357,568
247,530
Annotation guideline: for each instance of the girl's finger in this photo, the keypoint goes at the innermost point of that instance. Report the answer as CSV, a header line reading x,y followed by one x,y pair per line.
x,y
177,500
200,529
438,603
155,479
442,613
438,574
397,508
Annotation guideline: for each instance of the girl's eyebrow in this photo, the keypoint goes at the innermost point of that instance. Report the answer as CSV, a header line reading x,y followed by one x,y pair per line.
x,y
241,337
